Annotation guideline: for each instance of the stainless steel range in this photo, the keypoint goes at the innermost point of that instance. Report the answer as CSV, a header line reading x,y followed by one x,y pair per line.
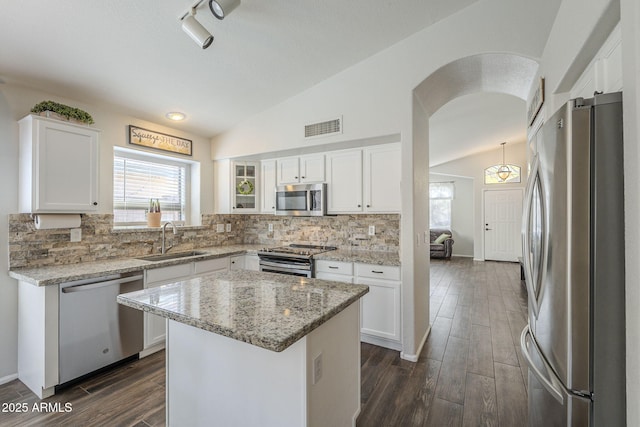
x,y
294,260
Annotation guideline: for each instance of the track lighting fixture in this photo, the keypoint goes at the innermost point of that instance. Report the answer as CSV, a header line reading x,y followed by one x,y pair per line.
x,y
191,26
221,8
196,31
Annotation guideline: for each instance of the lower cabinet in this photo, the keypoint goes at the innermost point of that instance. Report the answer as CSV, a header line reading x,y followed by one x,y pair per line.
x,y
380,313
155,326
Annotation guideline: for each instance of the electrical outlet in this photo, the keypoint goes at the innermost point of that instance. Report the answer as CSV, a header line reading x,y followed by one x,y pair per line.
x,y
220,228
372,230
317,369
270,228
228,228
76,234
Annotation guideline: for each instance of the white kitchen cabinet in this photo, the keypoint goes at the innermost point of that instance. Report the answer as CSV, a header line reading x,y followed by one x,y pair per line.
x,y
244,192
344,181
268,186
251,262
381,310
211,265
364,180
58,166
155,326
236,262
382,174
301,169
334,270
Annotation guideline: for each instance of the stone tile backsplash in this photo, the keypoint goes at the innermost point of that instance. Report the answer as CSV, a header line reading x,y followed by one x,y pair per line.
x,y
29,247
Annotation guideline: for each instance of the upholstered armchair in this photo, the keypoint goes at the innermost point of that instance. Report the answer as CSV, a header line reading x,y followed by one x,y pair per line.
x,y
441,247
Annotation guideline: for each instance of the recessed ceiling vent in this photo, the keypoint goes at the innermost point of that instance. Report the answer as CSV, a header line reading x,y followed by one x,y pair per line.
x,y
329,127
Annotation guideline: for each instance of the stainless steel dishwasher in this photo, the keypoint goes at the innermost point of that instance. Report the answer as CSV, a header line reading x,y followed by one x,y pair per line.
x,y
95,331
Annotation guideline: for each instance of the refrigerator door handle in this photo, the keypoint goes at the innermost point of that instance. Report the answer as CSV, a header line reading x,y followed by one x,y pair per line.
x,y
526,236
544,379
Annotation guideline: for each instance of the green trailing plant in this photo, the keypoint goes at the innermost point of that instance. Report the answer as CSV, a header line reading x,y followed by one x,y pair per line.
x,y
64,111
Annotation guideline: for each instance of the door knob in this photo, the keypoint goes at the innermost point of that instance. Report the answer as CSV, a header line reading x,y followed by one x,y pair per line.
x,y
487,229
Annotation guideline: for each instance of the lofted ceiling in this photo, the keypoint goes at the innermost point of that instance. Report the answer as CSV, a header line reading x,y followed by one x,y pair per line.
x,y
475,123
133,55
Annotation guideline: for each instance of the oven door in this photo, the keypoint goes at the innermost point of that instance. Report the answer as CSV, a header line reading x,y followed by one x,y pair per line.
x,y
291,267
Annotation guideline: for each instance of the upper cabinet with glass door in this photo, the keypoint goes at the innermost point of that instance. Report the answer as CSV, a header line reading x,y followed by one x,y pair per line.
x,y
245,187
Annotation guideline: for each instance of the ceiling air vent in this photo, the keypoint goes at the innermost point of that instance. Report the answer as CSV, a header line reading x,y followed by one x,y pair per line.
x,y
329,127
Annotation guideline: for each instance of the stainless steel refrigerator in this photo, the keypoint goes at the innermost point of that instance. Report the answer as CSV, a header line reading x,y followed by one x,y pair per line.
x,y
573,241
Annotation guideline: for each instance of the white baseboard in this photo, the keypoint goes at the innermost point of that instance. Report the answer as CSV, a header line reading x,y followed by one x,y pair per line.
x,y
149,351
478,259
462,256
8,378
414,357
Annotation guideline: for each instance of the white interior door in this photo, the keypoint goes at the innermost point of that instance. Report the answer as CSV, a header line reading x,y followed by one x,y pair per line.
x,y
502,224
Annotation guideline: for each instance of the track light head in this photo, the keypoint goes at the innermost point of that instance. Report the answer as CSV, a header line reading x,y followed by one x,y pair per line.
x,y
196,31
221,8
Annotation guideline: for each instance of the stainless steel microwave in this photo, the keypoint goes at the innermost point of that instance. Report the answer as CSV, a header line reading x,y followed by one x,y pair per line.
x,y
301,199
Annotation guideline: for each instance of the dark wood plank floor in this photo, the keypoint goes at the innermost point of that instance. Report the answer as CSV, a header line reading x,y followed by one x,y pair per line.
x,y
470,372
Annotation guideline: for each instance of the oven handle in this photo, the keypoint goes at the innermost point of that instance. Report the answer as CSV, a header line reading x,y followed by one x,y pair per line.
x,y
96,285
292,272
283,265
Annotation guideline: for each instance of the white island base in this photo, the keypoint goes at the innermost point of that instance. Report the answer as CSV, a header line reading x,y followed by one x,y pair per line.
x,y
213,380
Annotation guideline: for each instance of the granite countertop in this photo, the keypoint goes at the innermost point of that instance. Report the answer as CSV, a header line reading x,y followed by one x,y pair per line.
x,y
56,274
363,256
268,310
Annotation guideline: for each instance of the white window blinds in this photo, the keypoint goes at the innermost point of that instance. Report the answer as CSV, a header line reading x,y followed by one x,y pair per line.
x,y
440,196
137,180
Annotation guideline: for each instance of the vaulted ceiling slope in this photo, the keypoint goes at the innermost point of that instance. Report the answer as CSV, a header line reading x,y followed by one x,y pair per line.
x,y
133,55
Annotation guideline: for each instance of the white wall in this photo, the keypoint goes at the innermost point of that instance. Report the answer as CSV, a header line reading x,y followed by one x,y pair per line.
x,y
8,204
462,214
630,17
474,166
15,103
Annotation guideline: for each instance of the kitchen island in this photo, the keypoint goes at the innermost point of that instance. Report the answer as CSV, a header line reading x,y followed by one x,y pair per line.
x,y
253,348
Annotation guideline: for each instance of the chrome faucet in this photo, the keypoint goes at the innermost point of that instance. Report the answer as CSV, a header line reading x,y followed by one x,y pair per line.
x,y
164,249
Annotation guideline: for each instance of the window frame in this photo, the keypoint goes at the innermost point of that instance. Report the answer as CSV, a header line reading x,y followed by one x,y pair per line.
x,y
159,159
448,199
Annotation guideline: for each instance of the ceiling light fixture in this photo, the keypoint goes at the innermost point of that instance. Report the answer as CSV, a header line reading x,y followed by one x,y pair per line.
x,y
221,8
503,171
195,30
176,116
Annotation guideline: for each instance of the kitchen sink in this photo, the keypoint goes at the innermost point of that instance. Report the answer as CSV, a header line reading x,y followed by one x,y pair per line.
x,y
176,255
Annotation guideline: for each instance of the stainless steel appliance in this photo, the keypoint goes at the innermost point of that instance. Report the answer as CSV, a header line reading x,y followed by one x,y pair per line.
x,y
94,330
573,239
294,260
301,199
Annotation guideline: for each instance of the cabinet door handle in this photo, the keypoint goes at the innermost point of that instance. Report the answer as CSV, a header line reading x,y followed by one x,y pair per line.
x,y
377,272
95,203
368,206
333,267
359,206
303,177
295,177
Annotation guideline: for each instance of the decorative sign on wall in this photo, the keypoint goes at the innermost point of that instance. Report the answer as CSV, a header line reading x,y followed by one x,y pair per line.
x,y
536,102
159,141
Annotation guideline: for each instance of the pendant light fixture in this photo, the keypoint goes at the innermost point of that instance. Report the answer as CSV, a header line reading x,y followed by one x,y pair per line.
x,y
503,171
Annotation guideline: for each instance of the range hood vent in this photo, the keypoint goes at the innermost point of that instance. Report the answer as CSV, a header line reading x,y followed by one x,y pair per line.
x,y
329,127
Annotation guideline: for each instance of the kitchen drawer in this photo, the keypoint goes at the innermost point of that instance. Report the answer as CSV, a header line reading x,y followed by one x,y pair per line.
x,y
336,277
210,265
334,267
386,272
167,273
